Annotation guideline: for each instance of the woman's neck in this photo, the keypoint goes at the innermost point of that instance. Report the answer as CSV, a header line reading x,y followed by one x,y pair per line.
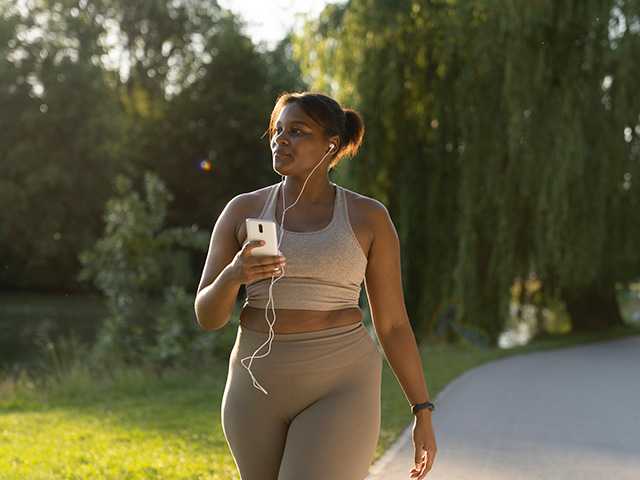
x,y
315,192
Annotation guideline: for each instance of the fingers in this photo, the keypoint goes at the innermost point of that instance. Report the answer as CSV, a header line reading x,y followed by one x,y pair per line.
x,y
268,263
259,259
251,268
422,466
248,246
419,466
267,267
270,270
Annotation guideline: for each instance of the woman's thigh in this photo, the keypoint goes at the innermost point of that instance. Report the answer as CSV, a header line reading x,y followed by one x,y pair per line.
x,y
254,430
321,418
336,436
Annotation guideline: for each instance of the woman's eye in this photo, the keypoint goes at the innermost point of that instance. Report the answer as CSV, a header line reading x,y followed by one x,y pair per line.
x,y
293,129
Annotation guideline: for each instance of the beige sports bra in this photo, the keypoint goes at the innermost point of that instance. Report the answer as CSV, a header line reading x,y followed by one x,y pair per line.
x,y
325,269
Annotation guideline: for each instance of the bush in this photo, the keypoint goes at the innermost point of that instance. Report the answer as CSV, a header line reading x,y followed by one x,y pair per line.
x,y
142,269
179,341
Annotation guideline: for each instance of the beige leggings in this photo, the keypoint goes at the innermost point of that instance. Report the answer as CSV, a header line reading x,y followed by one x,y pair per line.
x,y
321,419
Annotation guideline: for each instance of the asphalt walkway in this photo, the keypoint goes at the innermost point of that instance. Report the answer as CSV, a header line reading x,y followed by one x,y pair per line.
x,y
564,414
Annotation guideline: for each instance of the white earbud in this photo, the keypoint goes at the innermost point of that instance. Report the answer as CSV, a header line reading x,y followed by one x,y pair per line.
x,y
331,146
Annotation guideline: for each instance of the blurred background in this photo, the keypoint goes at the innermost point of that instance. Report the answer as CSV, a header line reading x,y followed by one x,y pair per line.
x,y
503,141
503,136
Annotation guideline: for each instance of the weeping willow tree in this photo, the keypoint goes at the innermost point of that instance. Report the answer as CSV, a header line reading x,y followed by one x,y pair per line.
x,y
566,208
503,138
371,55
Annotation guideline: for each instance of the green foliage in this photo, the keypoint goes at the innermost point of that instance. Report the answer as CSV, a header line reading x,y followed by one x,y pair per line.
x,y
502,137
178,87
134,265
58,132
495,139
178,342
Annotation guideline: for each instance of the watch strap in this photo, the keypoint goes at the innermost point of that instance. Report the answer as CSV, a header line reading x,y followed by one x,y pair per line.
x,y
419,406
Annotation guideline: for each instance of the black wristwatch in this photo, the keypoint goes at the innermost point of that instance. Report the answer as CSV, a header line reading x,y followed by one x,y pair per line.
x,y
420,406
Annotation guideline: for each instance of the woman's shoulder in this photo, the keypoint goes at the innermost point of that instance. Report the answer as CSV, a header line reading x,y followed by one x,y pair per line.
x,y
364,215
362,205
251,199
248,205
369,218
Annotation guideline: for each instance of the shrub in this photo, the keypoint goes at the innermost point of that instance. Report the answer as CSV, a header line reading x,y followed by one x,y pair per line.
x,y
142,268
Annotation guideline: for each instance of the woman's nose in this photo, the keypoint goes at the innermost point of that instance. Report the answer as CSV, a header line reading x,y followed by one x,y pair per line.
x,y
280,138
278,142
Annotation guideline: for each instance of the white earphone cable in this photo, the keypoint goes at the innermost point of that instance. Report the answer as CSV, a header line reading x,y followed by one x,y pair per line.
x,y
274,280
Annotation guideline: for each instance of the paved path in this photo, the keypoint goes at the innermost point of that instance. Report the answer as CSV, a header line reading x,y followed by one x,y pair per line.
x,y
555,415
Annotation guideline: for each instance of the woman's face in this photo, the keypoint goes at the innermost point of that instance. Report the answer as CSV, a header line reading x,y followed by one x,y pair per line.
x,y
299,143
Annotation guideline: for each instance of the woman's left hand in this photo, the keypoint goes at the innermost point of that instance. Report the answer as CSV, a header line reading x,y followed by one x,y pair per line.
x,y
424,443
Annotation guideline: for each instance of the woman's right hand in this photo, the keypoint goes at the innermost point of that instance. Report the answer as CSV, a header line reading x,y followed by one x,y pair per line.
x,y
246,268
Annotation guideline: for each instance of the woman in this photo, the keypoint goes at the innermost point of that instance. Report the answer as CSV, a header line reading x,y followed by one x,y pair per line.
x,y
321,417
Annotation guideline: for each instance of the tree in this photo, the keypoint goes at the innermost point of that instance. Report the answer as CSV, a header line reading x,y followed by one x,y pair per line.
x,y
494,136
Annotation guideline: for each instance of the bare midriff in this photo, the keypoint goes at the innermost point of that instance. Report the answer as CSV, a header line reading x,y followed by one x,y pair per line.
x,y
297,321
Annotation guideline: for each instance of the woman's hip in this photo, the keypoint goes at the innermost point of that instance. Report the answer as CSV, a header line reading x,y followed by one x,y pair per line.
x,y
326,350
308,362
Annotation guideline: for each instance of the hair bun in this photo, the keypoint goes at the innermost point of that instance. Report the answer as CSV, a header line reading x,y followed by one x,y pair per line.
x,y
354,130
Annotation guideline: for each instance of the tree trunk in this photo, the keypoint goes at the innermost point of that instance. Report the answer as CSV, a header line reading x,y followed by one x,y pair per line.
x,y
593,308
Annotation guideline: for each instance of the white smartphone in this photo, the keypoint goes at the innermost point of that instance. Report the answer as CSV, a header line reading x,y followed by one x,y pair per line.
x,y
260,229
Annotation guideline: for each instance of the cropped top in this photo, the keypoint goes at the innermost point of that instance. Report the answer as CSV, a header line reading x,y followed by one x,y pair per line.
x,y
324,270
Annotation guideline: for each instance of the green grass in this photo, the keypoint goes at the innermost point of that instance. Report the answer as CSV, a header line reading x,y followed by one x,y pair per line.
x,y
132,424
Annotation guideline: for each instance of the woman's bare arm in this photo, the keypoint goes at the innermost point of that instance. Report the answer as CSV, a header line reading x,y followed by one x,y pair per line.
x,y
218,290
383,284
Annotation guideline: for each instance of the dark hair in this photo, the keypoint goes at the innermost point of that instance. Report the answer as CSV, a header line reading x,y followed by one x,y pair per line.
x,y
346,123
